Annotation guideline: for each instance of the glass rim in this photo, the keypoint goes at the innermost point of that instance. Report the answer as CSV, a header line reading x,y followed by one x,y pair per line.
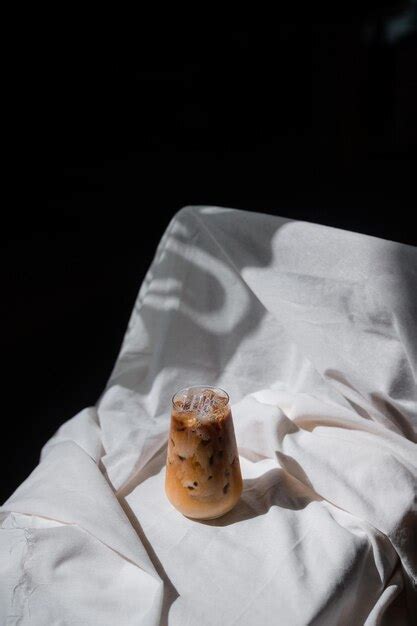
x,y
214,388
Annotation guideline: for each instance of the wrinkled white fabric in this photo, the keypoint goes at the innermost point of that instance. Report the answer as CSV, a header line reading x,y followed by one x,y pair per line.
x,y
312,331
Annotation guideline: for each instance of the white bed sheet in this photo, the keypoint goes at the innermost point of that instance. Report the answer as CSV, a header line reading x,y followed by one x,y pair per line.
x,y
312,331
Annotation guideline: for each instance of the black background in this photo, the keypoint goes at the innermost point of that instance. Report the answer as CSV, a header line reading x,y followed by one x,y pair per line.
x,y
113,134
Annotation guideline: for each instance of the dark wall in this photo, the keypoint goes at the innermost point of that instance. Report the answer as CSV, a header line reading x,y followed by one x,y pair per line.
x,y
313,121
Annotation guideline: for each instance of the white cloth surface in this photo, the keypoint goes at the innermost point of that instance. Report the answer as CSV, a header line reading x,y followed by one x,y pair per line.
x,y
312,331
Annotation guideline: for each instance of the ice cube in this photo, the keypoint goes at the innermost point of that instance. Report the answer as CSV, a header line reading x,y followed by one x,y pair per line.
x,y
202,401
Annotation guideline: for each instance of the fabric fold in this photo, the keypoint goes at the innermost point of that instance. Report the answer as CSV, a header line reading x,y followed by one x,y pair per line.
x,y
68,487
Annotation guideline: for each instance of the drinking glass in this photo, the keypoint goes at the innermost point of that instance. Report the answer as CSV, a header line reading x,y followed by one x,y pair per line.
x,y
203,477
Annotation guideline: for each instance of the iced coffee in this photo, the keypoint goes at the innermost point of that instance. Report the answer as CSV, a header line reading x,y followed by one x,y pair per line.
x,y
203,478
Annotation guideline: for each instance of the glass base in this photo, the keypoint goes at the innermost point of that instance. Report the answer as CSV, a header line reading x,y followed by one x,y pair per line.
x,y
207,519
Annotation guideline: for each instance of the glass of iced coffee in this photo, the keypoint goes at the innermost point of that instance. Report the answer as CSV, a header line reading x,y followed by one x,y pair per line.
x,y
203,478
